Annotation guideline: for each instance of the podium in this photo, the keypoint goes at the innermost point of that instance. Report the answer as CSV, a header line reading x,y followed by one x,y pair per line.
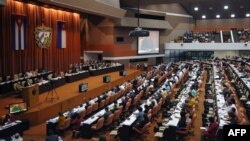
x,y
30,95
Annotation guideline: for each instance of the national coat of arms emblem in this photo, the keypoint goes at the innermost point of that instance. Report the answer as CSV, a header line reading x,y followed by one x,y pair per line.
x,y
43,36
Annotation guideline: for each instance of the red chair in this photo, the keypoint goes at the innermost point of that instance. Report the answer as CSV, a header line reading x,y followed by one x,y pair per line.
x,y
82,113
117,114
107,100
98,125
110,120
94,107
102,104
128,104
144,131
89,110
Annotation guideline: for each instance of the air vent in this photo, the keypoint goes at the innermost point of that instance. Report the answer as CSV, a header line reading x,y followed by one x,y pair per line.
x,y
147,16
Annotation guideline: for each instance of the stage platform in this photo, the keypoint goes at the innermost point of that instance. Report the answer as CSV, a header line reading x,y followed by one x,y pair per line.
x,y
69,96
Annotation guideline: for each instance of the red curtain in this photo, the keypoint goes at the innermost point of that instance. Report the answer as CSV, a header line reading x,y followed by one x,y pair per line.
x,y
55,59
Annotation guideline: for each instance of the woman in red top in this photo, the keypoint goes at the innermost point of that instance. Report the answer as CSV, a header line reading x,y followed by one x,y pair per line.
x,y
212,129
76,123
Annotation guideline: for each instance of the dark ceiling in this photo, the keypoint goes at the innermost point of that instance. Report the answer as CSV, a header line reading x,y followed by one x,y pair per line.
x,y
209,8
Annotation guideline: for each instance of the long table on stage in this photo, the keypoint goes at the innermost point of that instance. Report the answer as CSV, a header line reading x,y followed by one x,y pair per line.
x,y
47,86
6,87
76,76
106,70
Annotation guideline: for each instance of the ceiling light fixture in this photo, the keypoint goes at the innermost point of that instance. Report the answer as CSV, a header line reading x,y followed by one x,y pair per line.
x,y
196,8
226,7
232,15
247,15
203,16
217,16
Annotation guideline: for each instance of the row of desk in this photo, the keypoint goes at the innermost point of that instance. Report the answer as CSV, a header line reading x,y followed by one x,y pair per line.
x,y
51,123
76,76
169,125
106,70
242,77
126,126
7,86
220,100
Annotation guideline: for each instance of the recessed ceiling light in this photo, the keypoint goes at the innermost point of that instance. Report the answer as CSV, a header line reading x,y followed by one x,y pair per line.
x,y
218,16
226,7
203,16
232,15
210,8
196,8
241,6
247,15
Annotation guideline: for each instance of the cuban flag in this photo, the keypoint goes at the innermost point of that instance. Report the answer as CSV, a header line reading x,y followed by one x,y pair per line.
x,y
19,32
61,34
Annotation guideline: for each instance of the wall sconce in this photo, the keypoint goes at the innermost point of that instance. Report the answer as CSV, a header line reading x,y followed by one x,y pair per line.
x,y
181,44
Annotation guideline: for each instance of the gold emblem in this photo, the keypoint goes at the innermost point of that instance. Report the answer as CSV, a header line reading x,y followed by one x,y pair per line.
x,y
43,36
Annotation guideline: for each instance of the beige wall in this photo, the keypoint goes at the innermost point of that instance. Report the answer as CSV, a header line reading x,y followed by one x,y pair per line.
x,y
180,25
101,33
173,8
115,3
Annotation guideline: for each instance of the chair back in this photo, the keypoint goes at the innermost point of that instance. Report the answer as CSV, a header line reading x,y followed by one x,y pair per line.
x,y
127,106
1,79
100,123
89,110
82,113
149,116
135,101
102,104
110,119
94,107
154,110
193,119
117,114
107,100
67,123
145,127
112,98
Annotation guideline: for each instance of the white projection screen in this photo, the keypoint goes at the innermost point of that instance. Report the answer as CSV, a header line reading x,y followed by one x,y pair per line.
x,y
150,44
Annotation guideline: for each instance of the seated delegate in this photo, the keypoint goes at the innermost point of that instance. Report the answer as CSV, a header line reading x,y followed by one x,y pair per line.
x,y
211,130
